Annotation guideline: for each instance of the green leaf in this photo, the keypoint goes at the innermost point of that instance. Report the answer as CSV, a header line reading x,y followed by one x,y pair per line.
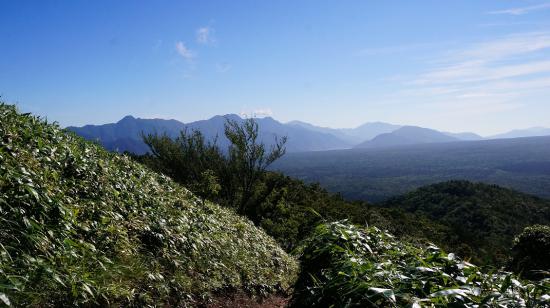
x,y
5,299
450,292
387,293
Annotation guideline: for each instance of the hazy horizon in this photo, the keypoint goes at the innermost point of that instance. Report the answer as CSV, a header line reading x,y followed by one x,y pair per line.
x,y
244,116
474,66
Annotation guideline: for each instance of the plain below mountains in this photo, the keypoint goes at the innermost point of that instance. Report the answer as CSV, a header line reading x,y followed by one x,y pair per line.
x,y
376,174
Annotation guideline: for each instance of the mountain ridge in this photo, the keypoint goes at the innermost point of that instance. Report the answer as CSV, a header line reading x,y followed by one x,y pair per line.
x,y
125,134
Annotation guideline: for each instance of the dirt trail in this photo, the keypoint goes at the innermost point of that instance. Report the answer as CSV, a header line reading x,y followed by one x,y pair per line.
x,y
242,300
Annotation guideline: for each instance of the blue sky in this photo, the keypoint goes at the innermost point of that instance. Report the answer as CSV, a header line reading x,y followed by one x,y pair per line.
x,y
482,66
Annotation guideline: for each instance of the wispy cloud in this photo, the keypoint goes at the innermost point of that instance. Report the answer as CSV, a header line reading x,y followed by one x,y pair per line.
x,y
183,51
205,35
497,59
523,10
492,76
517,44
396,49
476,71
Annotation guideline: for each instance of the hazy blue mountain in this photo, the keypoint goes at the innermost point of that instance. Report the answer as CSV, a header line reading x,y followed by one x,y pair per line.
x,y
300,139
125,135
528,132
370,130
407,135
353,136
466,136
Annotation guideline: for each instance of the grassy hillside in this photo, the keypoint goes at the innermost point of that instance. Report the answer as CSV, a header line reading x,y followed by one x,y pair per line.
x,y
376,175
483,218
79,225
348,266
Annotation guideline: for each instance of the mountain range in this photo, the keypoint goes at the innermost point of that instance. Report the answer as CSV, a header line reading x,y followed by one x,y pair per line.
x,y
528,132
125,135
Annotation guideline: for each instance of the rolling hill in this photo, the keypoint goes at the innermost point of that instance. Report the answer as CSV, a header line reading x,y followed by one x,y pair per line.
x,y
485,218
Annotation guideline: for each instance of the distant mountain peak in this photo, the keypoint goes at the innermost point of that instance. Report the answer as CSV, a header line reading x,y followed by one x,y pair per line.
x,y
127,118
407,135
125,135
230,116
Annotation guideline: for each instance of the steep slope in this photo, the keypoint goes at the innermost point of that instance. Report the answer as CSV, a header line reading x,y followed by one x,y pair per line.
x,y
485,217
125,135
407,135
82,226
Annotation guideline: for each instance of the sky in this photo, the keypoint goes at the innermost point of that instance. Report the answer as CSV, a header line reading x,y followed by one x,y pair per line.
x,y
481,66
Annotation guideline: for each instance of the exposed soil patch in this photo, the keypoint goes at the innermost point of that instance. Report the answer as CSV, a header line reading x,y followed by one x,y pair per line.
x,y
245,301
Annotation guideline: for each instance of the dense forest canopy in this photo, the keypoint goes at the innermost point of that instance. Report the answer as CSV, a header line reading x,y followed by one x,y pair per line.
x,y
376,175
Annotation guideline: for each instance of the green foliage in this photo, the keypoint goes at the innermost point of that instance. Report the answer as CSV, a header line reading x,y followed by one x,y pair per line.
x,y
349,266
184,158
248,158
228,177
482,219
288,209
82,226
531,252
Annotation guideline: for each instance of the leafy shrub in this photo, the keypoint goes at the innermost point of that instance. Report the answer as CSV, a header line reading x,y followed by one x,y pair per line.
x,y
236,177
198,163
81,226
531,252
349,266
